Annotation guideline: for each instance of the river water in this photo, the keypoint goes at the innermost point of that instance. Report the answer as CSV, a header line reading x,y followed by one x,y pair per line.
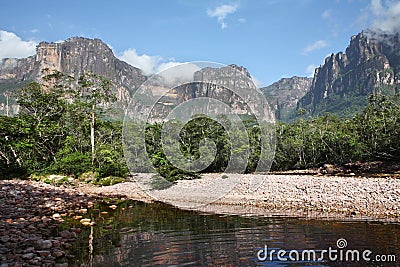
x,y
155,234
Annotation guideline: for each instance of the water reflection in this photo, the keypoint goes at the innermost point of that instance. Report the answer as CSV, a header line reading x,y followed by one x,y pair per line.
x,y
140,234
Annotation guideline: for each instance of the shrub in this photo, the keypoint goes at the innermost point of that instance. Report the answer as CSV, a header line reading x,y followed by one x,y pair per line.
x,y
74,164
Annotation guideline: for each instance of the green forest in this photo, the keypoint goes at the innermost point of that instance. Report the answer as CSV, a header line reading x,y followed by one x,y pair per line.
x,y
72,132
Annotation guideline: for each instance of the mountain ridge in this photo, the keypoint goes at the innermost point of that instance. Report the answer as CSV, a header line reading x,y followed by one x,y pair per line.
x,y
74,57
284,95
370,65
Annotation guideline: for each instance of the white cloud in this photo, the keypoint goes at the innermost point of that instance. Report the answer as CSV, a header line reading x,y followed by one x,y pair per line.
x,y
221,12
175,72
377,8
35,31
148,64
11,46
310,70
171,69
315,46
386,15
165,65
242,20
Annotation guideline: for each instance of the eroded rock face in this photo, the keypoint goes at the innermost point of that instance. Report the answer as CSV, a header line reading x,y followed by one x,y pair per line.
x,y
74,57
210,91
284,94
371,64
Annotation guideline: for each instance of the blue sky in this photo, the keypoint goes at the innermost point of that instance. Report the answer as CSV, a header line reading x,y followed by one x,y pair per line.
x,y
271,38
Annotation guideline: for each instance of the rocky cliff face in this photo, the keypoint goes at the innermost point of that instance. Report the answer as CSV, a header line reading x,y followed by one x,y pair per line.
x,y
74,57
284,94
231,85
341,85
214,90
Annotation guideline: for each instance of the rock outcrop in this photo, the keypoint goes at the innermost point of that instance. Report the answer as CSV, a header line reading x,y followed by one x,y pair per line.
x,y
217,90
73,57
284,94
341,85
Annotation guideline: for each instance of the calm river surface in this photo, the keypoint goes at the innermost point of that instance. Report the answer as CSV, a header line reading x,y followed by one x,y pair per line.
x,y
139,234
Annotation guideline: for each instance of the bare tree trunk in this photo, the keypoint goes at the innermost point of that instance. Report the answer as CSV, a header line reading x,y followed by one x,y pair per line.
x,y
92,133
15,154
5,157
7,107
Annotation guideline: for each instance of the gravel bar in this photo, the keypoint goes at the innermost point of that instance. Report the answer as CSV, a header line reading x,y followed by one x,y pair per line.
x,y
289,195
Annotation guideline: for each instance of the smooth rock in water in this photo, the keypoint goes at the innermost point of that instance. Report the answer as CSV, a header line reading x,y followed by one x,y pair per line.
x,y
112,207
85,222
84,211
56,216
61,264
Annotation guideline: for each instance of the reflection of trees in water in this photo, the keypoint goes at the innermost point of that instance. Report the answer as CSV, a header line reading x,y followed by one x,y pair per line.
x,y
157,234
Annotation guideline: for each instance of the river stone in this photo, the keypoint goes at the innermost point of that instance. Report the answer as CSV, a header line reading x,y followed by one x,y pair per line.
x,y
28,256
43,244
43,253
67,234
57,254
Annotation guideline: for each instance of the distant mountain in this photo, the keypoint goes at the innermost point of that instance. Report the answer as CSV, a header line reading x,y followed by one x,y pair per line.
x,y
74,57
231,87
370,64
284,95
341,85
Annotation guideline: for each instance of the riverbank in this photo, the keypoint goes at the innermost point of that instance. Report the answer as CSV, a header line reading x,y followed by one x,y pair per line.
x,y
288,195
30,217
31,212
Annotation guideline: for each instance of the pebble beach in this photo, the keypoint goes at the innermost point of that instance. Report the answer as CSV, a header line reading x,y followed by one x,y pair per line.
x,y
297,195
31,212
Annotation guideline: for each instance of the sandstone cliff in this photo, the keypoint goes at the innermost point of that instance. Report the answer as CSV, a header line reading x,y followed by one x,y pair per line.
x,y
74,57
284,94
370,65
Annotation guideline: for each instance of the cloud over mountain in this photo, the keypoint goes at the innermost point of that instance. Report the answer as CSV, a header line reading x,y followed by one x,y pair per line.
x,y
386,15
12,46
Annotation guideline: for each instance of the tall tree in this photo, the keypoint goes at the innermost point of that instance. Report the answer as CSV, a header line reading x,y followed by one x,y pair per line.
x,y
94,91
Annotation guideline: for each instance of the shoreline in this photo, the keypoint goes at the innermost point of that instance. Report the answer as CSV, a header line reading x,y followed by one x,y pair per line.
x,y
31,212
302,195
